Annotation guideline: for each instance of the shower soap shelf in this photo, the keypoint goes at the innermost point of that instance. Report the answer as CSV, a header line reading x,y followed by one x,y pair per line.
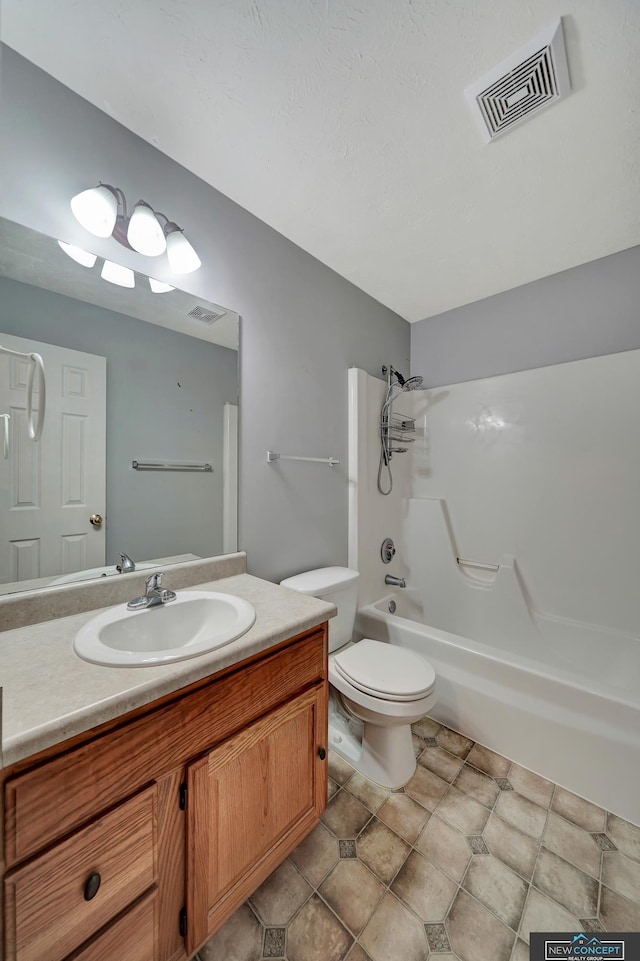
x,y
397,429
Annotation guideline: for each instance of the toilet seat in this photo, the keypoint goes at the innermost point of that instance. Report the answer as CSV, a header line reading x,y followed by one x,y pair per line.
x,y
384,671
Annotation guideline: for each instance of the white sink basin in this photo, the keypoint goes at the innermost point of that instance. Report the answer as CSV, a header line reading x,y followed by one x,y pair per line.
x,y
195,623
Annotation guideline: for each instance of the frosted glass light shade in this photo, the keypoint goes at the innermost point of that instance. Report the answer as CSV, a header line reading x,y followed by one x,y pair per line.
x,y
144,232
117,274
158,287
82,257
96,209
181,256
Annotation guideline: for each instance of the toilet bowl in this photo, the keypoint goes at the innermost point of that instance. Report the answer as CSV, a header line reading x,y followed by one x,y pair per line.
x,y
378,689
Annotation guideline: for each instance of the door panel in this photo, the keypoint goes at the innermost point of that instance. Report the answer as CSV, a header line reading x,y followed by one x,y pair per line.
x,y
49,489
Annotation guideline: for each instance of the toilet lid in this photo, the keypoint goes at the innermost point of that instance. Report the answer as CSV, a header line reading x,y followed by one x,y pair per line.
x,y
385,671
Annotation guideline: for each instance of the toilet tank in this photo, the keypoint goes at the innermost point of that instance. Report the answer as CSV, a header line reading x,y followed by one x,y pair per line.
x,y
337,585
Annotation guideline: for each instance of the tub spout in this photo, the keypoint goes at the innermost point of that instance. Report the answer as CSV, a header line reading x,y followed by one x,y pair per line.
x,y
395,581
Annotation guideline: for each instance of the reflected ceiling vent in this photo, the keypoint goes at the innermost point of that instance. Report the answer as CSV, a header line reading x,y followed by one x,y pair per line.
x,y
526,82
205,315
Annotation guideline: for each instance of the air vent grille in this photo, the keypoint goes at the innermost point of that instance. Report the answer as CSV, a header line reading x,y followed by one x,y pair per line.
x,y
205,315
535,76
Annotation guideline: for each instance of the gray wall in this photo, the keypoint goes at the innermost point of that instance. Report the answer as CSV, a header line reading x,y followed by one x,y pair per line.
x,y
148,417
587,311
302,324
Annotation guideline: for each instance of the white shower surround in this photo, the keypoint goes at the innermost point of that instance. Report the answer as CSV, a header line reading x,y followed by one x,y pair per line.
x,y
549,675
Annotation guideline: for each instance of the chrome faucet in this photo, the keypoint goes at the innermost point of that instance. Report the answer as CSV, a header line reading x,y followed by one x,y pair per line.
x,y
395,581
126,565
154,594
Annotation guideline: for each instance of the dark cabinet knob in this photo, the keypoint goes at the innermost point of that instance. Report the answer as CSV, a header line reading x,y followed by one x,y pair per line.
x,y
91,887
322,753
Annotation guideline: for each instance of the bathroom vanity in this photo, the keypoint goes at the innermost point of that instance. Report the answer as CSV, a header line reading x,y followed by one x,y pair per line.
x,y
139,836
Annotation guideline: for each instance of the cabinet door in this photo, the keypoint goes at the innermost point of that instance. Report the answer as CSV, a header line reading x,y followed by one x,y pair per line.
x,y
251,801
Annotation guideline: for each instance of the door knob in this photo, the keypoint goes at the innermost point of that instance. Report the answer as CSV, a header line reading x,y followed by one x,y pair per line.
x,y
96,520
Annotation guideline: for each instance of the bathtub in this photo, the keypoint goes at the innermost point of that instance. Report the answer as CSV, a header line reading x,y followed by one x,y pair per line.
x,y
570,712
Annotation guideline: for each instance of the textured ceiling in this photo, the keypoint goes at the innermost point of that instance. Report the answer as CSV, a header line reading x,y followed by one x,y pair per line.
x,y
343,125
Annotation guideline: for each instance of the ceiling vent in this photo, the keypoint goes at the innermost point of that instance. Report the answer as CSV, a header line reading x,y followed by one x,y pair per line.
x,y
205,315
526,82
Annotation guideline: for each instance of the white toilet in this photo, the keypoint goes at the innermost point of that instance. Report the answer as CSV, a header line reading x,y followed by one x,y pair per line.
x,y
378,690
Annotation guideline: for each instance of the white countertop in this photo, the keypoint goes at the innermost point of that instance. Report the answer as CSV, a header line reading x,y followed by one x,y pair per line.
x,y
51,694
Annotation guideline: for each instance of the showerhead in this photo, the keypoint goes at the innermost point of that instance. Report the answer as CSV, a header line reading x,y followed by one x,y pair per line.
x,y
410,383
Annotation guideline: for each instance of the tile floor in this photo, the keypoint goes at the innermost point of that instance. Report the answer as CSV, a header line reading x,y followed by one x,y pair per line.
x,y
460,865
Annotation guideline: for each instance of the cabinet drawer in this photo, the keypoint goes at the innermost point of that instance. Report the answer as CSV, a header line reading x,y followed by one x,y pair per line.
x,y
48,913
131,938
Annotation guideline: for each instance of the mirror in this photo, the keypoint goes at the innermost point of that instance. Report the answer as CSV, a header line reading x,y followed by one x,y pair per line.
x,y
140,426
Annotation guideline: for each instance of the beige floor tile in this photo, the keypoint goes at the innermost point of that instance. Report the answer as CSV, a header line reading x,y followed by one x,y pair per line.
x,y
528,817
531,785
488,761
624,835
404,816
371,795
281,895
382,850
573,844
316,855
475,934
345,815
352,892
339,769
543,914
520,951
477,785
583,813
453,742
463,812
423,888
445,847
617,913
394,934
332,787
418,745
566,884
442,763
499,889
426,727
622,875
426,787
315,934
358,953
515,849
240,939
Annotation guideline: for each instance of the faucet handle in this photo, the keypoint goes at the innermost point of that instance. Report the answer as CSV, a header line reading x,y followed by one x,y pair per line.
x,y
154,581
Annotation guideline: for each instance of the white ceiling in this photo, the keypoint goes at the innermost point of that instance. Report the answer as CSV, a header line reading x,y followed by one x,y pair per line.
x,y
350,133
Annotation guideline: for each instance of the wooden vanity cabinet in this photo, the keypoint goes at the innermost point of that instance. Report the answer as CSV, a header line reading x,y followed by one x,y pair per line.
x,y
139,839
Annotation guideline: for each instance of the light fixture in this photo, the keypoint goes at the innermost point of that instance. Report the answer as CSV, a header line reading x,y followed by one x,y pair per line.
x,y
158,287
82,257
181,256
144,232
96,209
102,210
117,274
